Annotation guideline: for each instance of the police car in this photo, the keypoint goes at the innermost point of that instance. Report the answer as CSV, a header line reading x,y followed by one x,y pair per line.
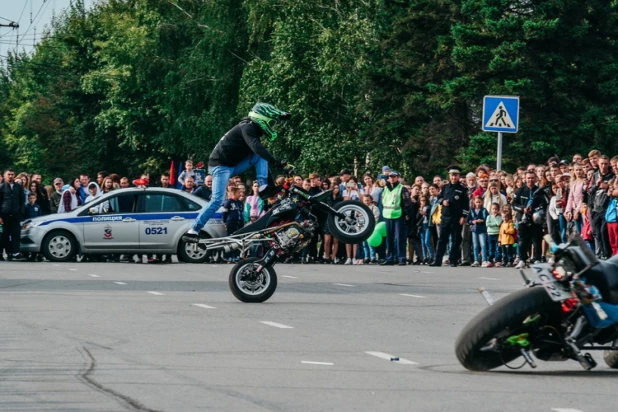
x,y
126,221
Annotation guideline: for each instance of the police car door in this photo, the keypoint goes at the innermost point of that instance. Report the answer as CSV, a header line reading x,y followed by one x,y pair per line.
x,y
112,225
161,217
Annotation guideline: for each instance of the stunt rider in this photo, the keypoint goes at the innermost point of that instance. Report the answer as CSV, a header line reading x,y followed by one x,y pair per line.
x,y
235,153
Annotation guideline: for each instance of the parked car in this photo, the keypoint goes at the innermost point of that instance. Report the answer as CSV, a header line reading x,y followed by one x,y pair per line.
x,y
126,221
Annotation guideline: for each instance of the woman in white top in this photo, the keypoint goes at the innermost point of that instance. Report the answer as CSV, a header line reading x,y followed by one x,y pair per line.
x,y
70,199
492,195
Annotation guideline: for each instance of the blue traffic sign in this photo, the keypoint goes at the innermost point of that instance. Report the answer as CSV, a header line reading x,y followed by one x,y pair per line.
x,y
501,114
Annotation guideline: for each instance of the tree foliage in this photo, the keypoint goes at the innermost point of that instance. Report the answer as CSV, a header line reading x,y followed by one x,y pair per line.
x,y
129,85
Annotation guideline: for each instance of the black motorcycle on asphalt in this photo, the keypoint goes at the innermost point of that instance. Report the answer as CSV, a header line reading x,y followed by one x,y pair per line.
x,y
285,229
574,310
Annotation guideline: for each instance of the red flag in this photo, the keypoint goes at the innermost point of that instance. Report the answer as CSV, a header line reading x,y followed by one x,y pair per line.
x,y
172,174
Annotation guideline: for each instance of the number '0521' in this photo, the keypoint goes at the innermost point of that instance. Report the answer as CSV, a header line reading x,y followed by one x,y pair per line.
x,y
156,231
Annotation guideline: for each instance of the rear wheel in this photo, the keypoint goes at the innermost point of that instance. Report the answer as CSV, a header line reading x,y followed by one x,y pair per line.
x,y
249,286
59,246
500,320
356,226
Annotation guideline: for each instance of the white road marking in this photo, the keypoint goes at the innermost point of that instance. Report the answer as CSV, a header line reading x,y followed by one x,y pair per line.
x,y
317,363
201,305
290,277
426,272
94,276
157,293
120,283
481,277
388,357
214,266
276,325
412,296
343,284
565,410
56,265
73,270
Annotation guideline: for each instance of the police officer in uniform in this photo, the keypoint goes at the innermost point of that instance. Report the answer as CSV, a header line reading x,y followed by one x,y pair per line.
x,y
455,209
396,205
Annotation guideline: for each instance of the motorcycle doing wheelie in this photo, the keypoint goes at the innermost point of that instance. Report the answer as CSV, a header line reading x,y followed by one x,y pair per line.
x,y
574,310
286,228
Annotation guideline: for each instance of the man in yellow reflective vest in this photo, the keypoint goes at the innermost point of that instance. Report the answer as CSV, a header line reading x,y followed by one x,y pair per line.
x,y
396,204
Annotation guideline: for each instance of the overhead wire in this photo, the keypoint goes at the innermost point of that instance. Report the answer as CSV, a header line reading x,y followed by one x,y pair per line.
x,y
44,4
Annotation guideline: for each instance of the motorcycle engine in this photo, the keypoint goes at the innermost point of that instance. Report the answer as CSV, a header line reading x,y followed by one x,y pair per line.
x,y
290,237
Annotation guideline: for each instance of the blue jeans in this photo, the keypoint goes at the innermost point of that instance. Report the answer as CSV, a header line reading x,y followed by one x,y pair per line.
x,y
507,254
480,240
493,249
563,228
368,251
220,176
425,236
396,237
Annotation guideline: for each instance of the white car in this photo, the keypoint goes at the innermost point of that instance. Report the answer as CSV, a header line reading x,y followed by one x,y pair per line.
x,y
126,221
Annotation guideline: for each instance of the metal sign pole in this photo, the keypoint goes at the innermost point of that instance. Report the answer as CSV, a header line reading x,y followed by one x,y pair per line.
x,y
499,157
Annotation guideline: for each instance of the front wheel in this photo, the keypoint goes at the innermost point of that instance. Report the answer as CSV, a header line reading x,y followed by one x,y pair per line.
x,y
59,246
357,225
249,286
499,321
192,252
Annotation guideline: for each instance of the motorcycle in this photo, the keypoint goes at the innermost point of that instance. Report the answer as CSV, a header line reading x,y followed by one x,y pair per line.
x,y
571,308
286,228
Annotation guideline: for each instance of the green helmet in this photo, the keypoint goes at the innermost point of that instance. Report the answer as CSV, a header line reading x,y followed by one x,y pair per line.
x,y
267,115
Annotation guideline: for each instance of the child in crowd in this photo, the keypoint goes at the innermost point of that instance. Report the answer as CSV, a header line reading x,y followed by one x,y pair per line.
x,y
424,209
477,221
587,227
369,252
611,217
187,172
233,217
32,210
494,221
507,237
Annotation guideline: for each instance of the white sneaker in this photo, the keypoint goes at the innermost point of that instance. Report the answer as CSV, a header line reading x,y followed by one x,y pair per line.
x,y
520,265
484,265
475,264
349,261
192,232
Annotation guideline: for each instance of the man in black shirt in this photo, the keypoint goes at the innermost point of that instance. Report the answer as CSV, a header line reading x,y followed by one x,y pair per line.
x,y
205,192
12,210
236,152
530,204
455,208
598,202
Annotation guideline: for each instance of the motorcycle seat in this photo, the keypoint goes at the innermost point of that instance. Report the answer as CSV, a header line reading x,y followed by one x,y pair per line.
x,y
604,276
260,224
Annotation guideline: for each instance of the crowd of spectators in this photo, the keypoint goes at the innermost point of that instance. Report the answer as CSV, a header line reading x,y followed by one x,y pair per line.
x,y
503,223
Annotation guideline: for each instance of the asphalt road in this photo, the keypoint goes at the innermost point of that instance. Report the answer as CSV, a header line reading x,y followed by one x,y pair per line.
x,y
115,337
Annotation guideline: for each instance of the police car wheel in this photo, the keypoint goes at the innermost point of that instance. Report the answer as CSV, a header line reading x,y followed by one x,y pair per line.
x,y
59,246
192,252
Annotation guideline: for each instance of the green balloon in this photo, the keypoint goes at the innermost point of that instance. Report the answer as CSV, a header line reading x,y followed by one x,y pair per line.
x,y
379,233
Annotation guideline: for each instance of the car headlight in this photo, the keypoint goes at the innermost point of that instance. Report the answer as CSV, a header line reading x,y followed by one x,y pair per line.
x,y
29,224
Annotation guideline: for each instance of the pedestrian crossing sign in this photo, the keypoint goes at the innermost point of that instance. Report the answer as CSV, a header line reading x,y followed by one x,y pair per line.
x,y
501,114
